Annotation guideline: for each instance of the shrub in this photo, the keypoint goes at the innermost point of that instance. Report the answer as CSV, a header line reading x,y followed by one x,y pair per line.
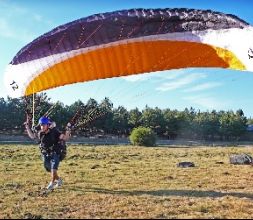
x,y
143,136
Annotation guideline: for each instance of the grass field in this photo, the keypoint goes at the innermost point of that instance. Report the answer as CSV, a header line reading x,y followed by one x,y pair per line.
x,y
127,182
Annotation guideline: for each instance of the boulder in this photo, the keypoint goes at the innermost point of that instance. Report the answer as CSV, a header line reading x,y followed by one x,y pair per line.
x,y
185,164
241,159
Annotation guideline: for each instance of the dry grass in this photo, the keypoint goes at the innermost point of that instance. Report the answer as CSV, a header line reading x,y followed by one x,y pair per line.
x,y
127,182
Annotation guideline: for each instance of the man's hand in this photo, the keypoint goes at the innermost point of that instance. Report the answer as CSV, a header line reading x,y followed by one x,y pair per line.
x,y
26,124
68,127
53,125
67,134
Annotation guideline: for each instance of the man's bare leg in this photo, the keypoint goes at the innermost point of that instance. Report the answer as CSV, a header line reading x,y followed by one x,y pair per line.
x,y
54,175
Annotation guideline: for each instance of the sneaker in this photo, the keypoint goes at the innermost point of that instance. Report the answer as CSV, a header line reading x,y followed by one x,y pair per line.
x,y
50,186
59,182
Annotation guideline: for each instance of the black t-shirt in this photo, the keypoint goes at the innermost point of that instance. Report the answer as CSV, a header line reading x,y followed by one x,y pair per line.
x,y
49,141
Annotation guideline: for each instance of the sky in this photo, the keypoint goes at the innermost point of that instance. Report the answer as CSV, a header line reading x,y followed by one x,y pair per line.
x,y
202,89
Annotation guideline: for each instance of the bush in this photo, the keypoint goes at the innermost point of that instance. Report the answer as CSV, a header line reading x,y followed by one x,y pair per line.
x,y
142,136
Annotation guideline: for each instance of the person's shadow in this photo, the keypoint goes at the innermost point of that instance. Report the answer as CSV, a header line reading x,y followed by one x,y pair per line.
x,y
164,192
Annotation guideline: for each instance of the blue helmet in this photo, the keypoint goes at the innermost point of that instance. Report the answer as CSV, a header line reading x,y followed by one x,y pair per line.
x,y
44,121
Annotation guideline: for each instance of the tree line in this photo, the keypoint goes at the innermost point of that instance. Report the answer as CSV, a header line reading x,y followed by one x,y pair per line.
x,y
107,120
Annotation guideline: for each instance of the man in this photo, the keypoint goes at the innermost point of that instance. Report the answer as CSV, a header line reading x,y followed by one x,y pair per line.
x,y
51,140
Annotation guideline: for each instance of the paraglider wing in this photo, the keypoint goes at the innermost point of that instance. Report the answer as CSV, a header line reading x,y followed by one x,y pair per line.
x,y
129,42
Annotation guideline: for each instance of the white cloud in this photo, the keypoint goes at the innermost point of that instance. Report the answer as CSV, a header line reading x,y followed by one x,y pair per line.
x,y
137,78
203,86
10,31
37,17
160,75
173,74
206,101
5,31
181,82
18,23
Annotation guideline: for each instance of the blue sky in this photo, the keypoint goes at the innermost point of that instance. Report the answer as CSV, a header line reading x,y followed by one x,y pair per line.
x,y
204,89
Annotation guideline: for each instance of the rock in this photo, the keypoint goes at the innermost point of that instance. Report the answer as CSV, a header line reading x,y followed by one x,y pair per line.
x,y
185,164
95,166
219,162
241,159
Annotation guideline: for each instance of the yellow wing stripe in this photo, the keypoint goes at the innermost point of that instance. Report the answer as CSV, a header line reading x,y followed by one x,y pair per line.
x,y
133,58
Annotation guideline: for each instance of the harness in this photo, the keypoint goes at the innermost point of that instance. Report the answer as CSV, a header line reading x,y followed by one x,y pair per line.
x,y
50,144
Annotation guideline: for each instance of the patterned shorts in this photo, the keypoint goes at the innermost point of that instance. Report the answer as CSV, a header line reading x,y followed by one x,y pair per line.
x,y
51,162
